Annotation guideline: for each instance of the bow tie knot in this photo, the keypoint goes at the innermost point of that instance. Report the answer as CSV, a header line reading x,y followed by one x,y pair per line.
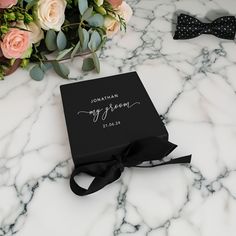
x,y
189,27
207,28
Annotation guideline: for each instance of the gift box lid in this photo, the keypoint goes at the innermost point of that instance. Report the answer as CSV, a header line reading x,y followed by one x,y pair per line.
x,y
104,115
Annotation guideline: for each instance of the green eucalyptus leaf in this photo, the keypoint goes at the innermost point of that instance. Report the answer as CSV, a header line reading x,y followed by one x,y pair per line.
x,y
61,69
95,41
81,35
37,73
63,53
96,62
61,41
75,50
83,6
45,66
42,66
88,64
84,38
102,43
87,14
50,40
96,20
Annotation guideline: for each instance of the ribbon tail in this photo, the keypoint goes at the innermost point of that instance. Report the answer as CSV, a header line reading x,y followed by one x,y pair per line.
x,y
104,173
179,160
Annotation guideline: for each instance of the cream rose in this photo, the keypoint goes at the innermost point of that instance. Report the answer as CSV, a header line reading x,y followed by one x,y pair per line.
x,y
36,34
15,43
112,25
51,14
125,11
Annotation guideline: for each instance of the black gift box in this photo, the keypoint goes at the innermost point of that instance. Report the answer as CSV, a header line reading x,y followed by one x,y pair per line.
x,y
104,115
112,124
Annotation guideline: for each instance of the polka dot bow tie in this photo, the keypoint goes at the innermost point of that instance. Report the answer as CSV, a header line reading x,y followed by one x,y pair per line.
x,y
189,27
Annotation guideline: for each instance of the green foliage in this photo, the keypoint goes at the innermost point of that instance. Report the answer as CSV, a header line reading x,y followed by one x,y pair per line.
x,y
61,41
88,64
24,63
30,4
96,62
96,20
83,6
63,53
101,10
1,72
88,12
75,50
84,38
95,41
61,69
83,32
37,73
51,40
15,14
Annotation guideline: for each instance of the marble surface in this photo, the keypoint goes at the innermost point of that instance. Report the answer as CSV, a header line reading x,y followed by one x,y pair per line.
x,y
192,84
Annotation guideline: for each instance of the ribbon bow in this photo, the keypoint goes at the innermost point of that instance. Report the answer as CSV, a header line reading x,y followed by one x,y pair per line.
x,y
189,27
106,172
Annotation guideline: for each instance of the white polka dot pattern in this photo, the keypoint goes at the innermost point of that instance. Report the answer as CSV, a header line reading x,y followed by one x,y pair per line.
x,y
189,27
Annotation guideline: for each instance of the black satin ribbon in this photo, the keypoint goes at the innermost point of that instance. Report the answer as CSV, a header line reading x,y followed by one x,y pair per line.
x,y
189,27
104,173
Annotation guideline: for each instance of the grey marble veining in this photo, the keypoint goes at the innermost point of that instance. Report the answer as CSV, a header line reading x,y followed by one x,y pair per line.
x,y
193,86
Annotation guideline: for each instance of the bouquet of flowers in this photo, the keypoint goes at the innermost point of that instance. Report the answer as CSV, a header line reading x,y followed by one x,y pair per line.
x,y
47,32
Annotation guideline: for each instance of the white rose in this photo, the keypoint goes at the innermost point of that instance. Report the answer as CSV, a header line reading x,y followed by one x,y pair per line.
x,y
36,34
51,14
112,25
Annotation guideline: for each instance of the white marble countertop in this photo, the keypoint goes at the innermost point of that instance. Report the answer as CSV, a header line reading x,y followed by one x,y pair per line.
x,y
192,84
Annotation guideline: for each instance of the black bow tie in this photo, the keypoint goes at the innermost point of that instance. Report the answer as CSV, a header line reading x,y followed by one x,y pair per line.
x,y
189,27
106,172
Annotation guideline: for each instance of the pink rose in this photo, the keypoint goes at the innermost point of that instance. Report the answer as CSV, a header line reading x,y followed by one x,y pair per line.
x,y
15,43
113,25
7,3
125,11
115,3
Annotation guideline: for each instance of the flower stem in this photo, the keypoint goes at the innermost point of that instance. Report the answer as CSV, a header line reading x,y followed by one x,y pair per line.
x,y
72,24
66,58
